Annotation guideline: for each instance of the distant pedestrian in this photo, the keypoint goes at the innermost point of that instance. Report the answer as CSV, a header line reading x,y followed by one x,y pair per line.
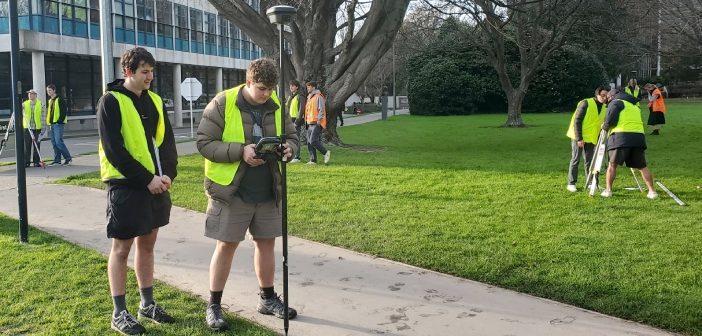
x,y
295,108
56,117
583,131
316,119
656,108
632,89
138,161
626,142
33,121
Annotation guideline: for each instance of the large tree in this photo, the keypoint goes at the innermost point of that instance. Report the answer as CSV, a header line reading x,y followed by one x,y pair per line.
x,y
334,42
536,28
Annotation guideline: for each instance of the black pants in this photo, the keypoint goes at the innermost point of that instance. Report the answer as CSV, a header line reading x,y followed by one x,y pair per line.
x,y
31,154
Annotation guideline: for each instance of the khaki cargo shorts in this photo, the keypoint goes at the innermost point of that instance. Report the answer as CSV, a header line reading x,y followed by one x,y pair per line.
x,y
228,217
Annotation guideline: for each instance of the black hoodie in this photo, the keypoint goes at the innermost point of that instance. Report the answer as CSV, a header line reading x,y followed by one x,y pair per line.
x,y
110,125
621,139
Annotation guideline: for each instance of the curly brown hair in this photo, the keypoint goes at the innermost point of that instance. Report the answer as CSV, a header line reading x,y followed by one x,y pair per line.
x,y
132,58
264,71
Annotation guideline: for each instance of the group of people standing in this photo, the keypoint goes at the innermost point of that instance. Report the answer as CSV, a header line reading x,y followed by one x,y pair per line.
x,y
52,118
310,113
618,113
138,163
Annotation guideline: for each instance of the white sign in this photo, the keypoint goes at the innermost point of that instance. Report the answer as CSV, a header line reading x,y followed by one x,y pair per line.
x,y
191,89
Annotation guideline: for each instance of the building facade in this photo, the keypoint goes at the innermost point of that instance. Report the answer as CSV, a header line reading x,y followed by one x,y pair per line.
x,y
60,45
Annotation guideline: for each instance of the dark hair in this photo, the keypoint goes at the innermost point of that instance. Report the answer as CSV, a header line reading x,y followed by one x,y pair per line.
x,y
133,58
51,86
600,88
263,71
311,83
295,83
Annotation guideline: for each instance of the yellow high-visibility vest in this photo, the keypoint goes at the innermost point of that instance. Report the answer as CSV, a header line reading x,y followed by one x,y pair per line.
x,y
629,120
592,122
36,114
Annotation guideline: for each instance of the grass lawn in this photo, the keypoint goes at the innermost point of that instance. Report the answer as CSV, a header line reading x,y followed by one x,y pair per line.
x,y
461,195
51,287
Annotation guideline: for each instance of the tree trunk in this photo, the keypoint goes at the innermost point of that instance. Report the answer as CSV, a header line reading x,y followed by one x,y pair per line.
x,y
514,109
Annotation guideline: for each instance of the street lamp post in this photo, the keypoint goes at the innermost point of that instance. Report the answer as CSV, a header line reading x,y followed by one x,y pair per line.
x,y
281,15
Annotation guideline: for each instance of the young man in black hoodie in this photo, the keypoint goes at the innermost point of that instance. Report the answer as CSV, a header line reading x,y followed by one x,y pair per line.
x,y
138,162
626,143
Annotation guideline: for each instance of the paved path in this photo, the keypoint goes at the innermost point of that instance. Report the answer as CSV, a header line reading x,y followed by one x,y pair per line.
x,y
336,291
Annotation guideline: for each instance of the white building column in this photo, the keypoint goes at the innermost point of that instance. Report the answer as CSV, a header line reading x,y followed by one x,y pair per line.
x,y
177,99
218,86
118,69
38,76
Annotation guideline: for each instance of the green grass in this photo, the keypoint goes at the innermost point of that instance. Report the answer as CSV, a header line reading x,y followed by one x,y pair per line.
x,y
461,195
51,287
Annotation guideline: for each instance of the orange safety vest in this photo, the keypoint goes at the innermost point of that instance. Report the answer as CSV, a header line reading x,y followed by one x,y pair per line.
x,y
311,111
658,104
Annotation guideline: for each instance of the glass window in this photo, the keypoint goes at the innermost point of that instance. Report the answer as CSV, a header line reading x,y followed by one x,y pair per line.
x,y
182,38
211,34
164,13
95,19
223,37
124,21
197,36
146,25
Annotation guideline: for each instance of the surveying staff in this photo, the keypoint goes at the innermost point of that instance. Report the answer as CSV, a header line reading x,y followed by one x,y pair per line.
x,y
243,190
626,143
138,162
56,117
33,121
656,108
294,107
632,89
316,119
583,131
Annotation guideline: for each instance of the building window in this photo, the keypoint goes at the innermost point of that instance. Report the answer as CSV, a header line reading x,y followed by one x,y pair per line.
x,y
235,46
164,14
197,34
182,39
211,34
245,47
223,37
146,24
123,18
24,9
4,17
95,19
74,17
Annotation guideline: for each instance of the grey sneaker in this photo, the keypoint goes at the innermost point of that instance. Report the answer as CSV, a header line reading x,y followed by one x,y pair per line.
x,y
327,156
155,313
126,324
274,306
214,318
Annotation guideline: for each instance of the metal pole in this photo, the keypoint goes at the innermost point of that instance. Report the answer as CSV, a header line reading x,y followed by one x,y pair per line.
x,y
16,89
394,92
192,134
283,171
658,52
107,66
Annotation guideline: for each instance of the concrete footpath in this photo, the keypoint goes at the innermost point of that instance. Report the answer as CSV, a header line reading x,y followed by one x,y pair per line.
x,y
336,291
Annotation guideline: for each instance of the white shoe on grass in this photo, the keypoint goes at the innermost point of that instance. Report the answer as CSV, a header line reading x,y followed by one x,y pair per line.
x,y
652,195
606,193
572,188
327,156
311,163
294,160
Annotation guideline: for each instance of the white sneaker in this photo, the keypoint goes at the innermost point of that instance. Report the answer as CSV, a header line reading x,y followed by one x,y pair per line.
x,y
311,163
327,156
606,193
572,188
294,160
652,195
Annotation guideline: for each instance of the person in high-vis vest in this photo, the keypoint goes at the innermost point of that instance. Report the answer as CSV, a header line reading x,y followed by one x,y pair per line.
x,y
656,108
583,131
56,119
294,105
632,89
244,188
33,121
626,142
316,119
138,162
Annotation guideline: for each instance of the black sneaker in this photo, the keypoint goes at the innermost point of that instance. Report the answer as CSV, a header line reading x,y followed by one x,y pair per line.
x,y
55,163
126,324
155,313
214,318
274,306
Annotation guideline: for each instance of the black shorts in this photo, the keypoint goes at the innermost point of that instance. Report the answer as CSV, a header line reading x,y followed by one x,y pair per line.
x,y
634,157
135,212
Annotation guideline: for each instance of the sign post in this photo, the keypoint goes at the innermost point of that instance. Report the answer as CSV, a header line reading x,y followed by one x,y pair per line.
x,y
191,89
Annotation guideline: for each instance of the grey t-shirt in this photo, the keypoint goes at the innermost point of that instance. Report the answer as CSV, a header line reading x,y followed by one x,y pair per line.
x,y
257,183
